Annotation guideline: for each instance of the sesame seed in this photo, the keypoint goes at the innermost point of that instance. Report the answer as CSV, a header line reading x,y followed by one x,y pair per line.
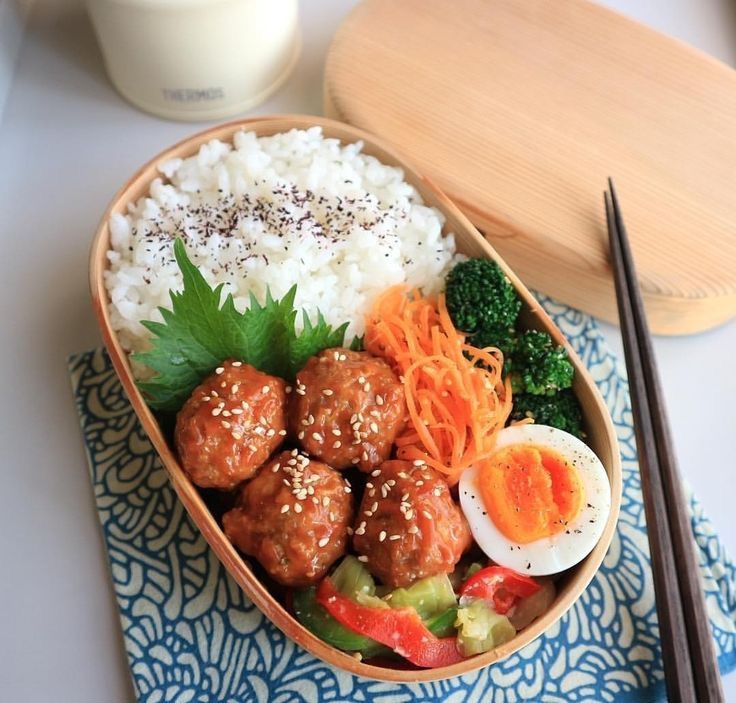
x,y
413,530
353,418
327,391
337,433
284,509
236,411
219,370
226,413
374,507
368,513
349,530
362,558
206,398
326,501
275,467
343,357
236,435
374,428
437,491
348,489
315,500
364,456
382,536
270,433
305,422
216,411
323,542
367,387
418,462
259,430
265,389
427,514
379,400
393,538
234,388
288,389
361,380
376,473
336,356
223,384
409,514
405,497
336,444
237,363
253,447
355,460
419,483
226,424
317,437
297,507
368,484
301,435
282,433
391,483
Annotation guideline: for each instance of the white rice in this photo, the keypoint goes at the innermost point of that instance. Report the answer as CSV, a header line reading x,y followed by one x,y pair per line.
x,y
274,211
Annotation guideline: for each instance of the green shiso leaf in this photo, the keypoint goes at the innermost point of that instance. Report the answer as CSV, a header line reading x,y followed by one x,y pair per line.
x,y
198,333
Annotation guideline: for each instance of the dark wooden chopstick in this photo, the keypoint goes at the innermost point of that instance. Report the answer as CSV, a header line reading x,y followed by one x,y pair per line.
x,y
691,667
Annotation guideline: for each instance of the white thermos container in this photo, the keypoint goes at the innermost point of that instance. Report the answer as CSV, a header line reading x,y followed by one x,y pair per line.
x,y
197,59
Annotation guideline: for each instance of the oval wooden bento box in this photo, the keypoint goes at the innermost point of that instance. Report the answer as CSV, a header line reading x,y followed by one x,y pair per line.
x,y
601,434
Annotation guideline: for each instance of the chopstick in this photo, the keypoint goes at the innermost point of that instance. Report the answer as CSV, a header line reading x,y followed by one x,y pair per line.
x,y
691,667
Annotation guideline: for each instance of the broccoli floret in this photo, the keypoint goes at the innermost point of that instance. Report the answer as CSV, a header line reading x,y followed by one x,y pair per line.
x,y
480,296
505,340
561,410
539,366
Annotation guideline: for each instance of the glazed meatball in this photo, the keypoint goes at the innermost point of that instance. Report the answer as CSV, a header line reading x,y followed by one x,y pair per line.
x,y
347,408
293,517
230,425
408,525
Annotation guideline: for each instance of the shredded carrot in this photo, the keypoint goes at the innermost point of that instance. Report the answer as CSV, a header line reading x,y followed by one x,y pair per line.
x,y
456,397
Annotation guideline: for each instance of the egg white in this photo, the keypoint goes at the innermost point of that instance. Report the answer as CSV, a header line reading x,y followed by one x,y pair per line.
x,y
549,555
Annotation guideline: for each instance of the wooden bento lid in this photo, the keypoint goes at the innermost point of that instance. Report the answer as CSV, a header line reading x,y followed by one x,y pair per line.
x,y
520,110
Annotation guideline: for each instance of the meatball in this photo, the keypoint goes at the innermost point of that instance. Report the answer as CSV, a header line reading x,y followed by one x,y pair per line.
x,y
293,517
347,408
230,425
408,525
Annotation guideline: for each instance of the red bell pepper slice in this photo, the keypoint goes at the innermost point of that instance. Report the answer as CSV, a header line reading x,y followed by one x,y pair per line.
x,y
501,585
401,629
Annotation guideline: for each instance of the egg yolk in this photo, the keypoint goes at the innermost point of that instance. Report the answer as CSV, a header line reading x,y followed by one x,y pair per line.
x,y
530,492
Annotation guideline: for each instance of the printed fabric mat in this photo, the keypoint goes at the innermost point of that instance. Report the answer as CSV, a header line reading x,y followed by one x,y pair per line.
x,y
192,635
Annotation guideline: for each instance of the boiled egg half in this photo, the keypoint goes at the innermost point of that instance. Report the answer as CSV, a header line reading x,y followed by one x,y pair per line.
x,y
540,503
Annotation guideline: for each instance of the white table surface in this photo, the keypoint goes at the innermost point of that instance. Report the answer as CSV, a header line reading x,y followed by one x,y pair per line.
x,y
67,141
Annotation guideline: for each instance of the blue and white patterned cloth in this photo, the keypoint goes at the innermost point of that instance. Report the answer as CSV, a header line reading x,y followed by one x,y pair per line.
x,y
192,635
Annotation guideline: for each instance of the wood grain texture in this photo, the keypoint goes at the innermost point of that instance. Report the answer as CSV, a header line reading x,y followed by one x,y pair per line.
x,y
601,433
520,110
